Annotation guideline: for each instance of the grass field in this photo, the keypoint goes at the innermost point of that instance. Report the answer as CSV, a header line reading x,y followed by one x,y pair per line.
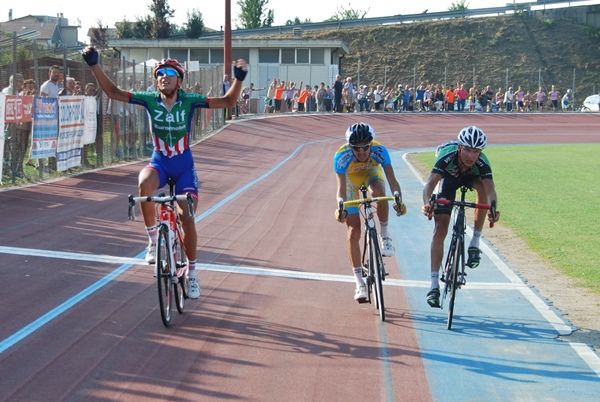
x,y
548,195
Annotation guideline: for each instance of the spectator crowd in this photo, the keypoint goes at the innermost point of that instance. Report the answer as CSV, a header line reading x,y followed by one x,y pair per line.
x,y
343,96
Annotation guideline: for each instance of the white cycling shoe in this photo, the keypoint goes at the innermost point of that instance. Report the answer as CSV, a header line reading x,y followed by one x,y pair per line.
x,y
150,253
387,247
360,294
193,288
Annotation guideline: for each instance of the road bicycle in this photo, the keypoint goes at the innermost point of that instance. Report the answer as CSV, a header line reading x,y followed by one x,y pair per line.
x,y
453,274
171,269
372,260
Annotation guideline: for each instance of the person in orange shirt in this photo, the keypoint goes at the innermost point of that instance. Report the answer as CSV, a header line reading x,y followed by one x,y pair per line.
x,y
304,94
279,96
450,97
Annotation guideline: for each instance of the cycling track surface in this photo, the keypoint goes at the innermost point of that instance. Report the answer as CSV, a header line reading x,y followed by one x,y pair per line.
x,y
276,320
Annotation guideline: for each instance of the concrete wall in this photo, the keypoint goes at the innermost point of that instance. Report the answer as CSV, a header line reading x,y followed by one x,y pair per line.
x,y
589,15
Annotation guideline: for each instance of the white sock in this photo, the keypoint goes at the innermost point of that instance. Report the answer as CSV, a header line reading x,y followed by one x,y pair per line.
x,y
384,229
152,233
435,280
192,269
358,276
475,238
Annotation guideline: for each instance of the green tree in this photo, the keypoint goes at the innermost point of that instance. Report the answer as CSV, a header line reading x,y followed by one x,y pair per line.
x,y
297,21
194,26
161,27
347,14
99,36
124,29
459,5
143,28
253,14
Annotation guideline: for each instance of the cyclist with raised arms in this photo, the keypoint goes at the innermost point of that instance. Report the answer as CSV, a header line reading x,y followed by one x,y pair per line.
x,y
458,163
171,112
364,161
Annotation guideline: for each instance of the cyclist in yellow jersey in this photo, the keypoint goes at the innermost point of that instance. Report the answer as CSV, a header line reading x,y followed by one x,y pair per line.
x,y
171,111
362,160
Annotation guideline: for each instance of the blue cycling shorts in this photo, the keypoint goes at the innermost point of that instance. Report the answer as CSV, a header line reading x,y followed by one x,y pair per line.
x,y
180,168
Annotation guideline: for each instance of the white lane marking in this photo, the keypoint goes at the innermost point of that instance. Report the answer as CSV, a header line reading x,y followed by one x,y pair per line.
x,y
248,270
586,353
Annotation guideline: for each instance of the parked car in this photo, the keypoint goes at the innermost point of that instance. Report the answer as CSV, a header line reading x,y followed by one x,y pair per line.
x,y
590,104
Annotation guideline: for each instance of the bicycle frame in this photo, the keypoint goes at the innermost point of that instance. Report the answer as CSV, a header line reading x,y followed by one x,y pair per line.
x,y
170,259
453,275
373,267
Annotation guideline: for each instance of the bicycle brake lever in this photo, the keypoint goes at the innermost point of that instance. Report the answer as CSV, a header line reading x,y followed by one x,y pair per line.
x,y
493,212
190,203
131,209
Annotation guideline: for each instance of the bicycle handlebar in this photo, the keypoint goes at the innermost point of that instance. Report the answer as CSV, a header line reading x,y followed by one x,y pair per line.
x,y
368,200
444,201
160,199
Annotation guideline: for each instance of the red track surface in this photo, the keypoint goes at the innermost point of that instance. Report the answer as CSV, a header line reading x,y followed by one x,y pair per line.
x,y
249,337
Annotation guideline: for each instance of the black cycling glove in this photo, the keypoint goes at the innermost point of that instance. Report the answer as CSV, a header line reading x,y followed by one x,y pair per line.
x,y
90,55
239,73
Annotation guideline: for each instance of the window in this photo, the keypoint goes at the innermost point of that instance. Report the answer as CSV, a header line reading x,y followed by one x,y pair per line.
x,y
199,55
216,56
317,56
302,56
240,54
288,56
268,55
180,54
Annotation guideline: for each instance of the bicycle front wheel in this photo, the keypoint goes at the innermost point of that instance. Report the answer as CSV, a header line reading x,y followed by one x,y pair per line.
x,y
377,270
179,283
163,275
452,279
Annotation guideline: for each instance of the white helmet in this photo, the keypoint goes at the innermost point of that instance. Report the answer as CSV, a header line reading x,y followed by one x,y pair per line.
x,y
472,137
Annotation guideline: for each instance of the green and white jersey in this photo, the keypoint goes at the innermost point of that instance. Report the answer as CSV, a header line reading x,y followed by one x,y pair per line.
x,y
171,129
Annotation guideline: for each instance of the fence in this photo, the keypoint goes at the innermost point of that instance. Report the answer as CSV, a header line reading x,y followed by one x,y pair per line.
x,y
123,130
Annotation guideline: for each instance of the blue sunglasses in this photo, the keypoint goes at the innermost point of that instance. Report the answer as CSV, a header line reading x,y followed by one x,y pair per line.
x,y
167,71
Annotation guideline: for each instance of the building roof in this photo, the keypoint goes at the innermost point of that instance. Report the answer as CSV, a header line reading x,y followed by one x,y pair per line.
x,y
236,43
43,24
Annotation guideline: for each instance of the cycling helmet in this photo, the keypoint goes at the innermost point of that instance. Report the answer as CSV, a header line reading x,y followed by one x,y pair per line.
x,y
472,137
169,63
359,133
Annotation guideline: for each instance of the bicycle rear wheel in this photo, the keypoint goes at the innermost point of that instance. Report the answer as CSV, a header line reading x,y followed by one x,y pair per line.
x,y
163,275
377,270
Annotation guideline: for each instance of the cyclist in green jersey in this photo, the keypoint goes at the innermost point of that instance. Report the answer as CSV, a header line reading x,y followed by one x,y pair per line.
x,y
171,112
458,163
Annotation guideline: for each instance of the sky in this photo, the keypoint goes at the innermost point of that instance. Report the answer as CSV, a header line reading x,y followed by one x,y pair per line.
x,y
87,13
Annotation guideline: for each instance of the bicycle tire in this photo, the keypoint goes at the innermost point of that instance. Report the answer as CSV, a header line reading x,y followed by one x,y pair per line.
x,y
179,283
447,272
454,281
163,275
377,274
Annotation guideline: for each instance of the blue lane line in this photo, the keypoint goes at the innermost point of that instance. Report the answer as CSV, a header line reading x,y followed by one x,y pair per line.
x,y
66,305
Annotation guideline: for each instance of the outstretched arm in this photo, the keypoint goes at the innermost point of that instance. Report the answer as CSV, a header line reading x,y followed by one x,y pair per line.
x,y
90,55
230,98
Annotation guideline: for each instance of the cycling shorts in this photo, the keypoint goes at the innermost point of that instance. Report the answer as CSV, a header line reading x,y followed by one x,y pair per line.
x,y
178,167
356,180
448,187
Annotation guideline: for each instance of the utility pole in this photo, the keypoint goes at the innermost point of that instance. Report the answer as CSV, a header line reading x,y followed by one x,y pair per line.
x,y
227,39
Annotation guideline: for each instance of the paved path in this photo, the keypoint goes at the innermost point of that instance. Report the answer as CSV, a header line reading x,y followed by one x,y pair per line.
x,y
276,320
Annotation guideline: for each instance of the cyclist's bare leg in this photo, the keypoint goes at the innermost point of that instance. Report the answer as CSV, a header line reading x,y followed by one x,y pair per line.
x,y
353,225
437,242
189,229
480,214
148,182
378,190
